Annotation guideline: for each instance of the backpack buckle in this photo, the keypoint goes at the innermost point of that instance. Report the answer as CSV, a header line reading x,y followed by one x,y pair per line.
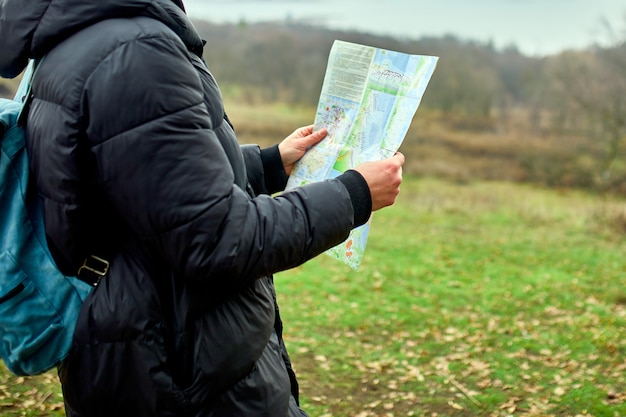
x,y
93,270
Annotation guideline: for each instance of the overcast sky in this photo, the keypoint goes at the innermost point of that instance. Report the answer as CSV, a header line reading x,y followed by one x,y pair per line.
x,y
536,27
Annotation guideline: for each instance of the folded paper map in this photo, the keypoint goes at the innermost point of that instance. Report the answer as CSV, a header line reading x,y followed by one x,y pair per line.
x,y
368,100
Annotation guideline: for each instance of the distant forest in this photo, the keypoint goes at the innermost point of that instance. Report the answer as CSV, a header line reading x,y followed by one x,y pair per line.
x,y
572,93
476,85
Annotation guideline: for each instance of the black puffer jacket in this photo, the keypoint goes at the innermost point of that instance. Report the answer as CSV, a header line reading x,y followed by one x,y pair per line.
x,y
135,160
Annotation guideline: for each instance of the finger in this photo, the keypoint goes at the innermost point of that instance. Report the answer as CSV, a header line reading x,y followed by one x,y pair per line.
x,y
305,130
400,157
315,137
322,132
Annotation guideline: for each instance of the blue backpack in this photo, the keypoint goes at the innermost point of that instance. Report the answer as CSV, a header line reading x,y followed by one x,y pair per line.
x,y
39,305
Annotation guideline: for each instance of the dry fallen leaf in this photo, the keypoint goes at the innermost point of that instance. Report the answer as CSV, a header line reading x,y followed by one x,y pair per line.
x,y
455,405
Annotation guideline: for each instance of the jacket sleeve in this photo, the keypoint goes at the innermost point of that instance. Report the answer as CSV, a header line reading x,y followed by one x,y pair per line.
x,y
163,169
265,169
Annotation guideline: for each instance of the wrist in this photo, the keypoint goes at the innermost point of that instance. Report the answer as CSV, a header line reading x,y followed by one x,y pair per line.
x,y
360,195
275,174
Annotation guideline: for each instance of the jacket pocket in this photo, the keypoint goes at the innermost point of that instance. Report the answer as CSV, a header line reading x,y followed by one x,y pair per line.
x,y
29,320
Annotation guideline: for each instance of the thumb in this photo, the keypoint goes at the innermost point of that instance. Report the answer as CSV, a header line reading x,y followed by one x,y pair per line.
x,y
315,137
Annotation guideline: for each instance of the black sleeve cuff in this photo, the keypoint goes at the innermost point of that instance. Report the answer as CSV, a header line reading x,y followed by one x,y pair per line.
x,y
275,175
359,194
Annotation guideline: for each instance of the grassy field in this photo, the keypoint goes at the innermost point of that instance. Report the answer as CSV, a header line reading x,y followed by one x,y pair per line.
x,y
474,299
484,299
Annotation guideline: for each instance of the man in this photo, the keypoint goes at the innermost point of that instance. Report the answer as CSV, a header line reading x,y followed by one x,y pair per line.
x,y
137,163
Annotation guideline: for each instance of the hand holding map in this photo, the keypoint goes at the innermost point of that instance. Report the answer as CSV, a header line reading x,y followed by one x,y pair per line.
x,y
294,146
368,100
383,179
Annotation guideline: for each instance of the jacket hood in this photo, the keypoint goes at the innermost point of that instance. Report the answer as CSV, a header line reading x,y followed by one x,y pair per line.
x,y
30,28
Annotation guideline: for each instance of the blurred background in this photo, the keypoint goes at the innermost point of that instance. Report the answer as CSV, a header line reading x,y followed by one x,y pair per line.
x,y
524,90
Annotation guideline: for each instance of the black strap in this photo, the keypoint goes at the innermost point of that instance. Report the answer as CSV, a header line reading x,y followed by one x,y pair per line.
x,y
27,99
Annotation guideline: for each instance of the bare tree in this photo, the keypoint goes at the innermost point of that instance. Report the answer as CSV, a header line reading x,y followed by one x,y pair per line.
x,y
593,84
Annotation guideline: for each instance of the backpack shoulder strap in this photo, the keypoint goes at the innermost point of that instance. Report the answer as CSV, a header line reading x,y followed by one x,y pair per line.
x,y
24,94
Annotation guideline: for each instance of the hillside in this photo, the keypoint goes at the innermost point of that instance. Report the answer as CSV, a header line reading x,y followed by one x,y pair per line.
x,y
487,113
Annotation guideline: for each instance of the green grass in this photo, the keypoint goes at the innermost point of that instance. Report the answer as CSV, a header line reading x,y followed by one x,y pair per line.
x,y
482,299
30,397
475,299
